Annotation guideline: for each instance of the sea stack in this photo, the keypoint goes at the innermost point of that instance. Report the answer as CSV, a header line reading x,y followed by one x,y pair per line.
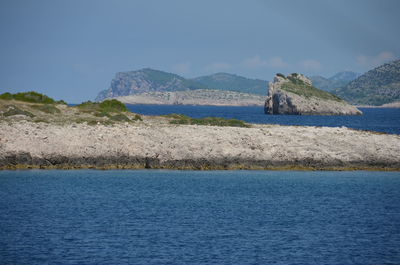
x,y
294,94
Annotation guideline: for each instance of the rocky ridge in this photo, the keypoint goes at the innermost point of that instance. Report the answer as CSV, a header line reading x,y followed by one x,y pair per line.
x,y
295,94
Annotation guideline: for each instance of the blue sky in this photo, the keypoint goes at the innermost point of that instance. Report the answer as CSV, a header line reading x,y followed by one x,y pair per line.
x,y
72,49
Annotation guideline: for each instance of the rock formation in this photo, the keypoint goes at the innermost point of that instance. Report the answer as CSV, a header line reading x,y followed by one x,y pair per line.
x,y
295,94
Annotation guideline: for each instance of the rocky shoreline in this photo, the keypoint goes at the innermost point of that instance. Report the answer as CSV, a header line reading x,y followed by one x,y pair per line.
x,y
158,145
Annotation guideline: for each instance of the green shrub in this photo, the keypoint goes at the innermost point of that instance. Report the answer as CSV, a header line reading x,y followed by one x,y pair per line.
x,y
110,105
92,122
113,105
119,117
6,96
209,121
215,121
46,108
32,97
102,114
38,120
181,121
176,116
12,110
281,75
88,105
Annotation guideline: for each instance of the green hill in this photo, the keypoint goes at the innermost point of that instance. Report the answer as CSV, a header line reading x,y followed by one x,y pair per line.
x,y
376,87
338,80
147,80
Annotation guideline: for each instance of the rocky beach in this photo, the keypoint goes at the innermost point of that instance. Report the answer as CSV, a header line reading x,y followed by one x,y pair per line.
x,y
154,143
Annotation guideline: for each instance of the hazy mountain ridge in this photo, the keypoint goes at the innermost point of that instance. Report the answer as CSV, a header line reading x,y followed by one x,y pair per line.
x,y
231,82
378,86
147,80
150,80
336,81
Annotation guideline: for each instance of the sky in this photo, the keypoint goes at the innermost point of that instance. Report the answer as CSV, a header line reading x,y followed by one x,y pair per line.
x,y
72,49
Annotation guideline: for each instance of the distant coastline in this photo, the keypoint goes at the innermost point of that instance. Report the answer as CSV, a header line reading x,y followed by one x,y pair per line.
x,y
200,97
388,105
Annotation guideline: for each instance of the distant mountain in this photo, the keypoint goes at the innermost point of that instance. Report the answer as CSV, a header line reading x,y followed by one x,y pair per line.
x,y
338,80
150,80
147,80
225,81
376,87
345,76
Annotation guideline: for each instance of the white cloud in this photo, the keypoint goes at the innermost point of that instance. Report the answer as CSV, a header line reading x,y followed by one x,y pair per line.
x,y
254,62
310,65
218,66
257,61
277,62
373,61
181,68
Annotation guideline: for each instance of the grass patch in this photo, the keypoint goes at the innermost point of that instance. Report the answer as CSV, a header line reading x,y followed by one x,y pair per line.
x,y
102,114
208,121
31,97
38,120
13,110
47,108
120,117
300,88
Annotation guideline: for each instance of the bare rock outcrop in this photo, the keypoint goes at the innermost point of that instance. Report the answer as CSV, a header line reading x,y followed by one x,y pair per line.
x,y
294,94
152,144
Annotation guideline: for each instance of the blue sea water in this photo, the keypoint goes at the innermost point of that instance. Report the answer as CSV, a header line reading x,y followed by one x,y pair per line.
x,y
199,217
374,119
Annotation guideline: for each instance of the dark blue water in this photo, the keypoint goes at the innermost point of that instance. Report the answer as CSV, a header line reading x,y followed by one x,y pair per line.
x,y
208,217
374,119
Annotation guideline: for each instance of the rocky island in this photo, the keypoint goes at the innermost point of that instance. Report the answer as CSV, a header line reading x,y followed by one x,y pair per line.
x,y
149,86
38,132
294,94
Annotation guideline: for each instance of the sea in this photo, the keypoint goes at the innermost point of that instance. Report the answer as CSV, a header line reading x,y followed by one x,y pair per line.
x,y
199,217
385,120
206,217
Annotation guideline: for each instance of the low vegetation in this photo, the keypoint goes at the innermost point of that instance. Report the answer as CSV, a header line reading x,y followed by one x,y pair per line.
x,y
107,112
106,106
300,88
210,121
31,97
41,108
13,110
47,108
